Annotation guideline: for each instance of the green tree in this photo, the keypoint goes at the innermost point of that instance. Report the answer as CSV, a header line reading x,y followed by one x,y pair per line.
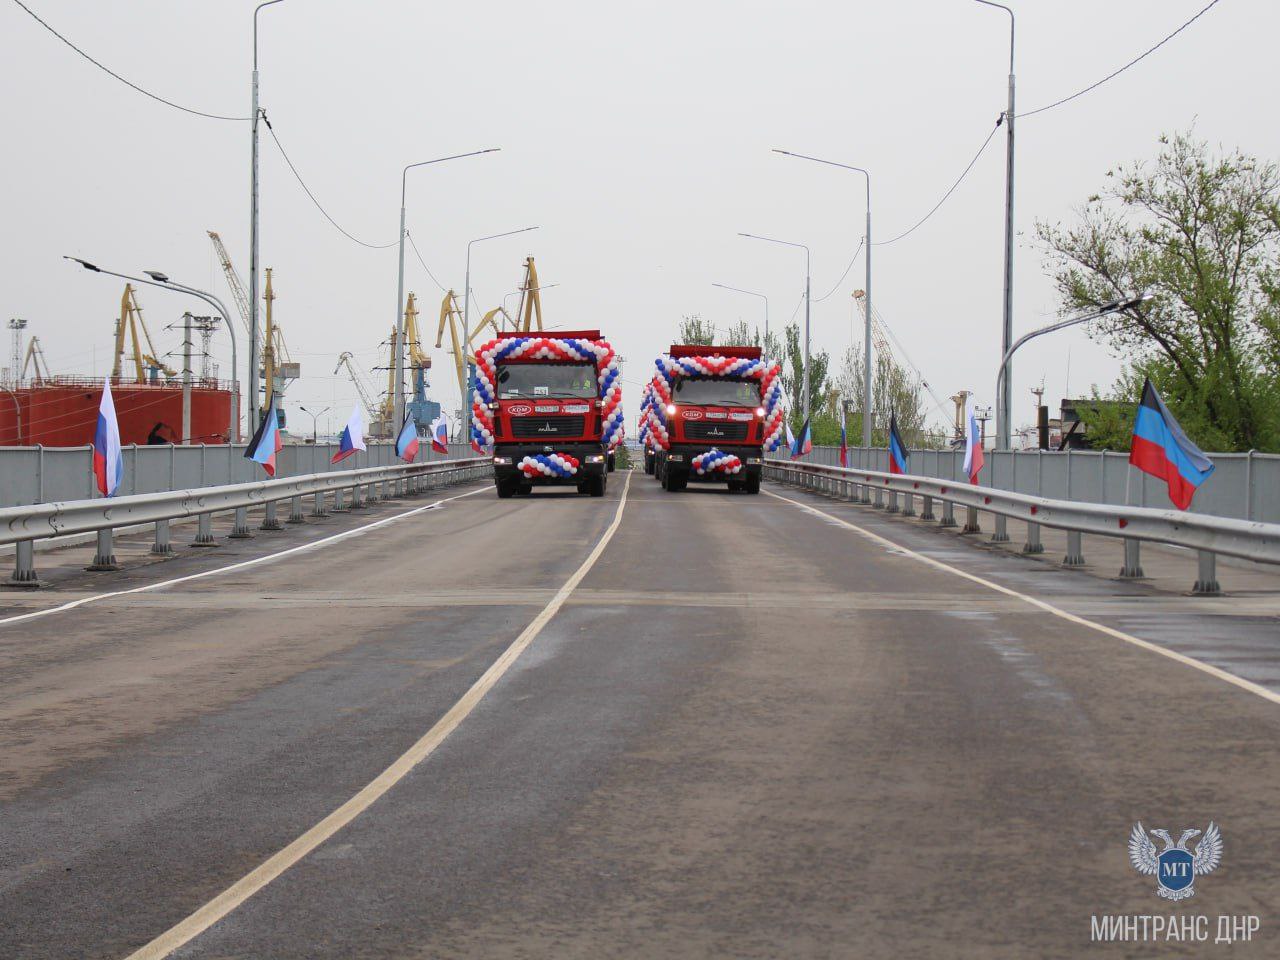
x,y
1200,233
1108,423
894,390
693,329
793,376
740,334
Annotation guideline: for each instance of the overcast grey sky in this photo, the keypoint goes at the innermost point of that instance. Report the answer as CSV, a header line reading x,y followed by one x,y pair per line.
x,y
637,137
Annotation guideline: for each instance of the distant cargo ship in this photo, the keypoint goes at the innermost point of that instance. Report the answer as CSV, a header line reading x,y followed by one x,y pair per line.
x,y
63,412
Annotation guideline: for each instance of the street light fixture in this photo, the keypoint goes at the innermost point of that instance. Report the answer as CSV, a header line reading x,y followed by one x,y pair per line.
x,y
162,281
1114,306
466,328
751,293
1004,401
398,362
254,374
314,417
788,243
866,336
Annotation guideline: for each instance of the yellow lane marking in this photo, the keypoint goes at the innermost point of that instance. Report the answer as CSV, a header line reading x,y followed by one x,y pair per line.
x,y
1182,658
244,888
314,544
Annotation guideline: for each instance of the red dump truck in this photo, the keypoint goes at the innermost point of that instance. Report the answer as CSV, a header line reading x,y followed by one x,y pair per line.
x,y
713,414
548,409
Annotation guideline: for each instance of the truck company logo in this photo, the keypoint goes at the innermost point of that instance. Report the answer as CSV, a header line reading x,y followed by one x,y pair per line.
x,y
715,432
1175,867
519,410
692,414
547,428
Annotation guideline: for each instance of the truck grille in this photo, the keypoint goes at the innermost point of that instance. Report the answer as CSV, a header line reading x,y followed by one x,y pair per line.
x,y
554,426
701,430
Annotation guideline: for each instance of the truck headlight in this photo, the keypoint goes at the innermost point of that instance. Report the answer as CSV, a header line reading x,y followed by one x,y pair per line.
x,y
595,458
754,460
676,457
502,461
493,406
759,411
671,409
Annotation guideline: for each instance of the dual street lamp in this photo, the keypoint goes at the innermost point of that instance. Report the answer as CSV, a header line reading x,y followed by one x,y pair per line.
x,y
752,293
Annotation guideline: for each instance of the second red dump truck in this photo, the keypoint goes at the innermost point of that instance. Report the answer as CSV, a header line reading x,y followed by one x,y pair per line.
x,y
549,409
713,413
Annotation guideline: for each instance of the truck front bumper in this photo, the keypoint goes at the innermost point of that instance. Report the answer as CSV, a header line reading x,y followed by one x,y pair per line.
x,y
592,461
681,455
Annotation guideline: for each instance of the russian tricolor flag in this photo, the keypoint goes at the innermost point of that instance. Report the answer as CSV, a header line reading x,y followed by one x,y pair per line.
x,y
802,444
440,434
108,466
898,455
1160,448
352,436
844,441
266,443
973,456
407,441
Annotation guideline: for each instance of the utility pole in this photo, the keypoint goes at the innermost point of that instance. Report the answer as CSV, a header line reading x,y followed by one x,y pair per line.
x,y
186,378
15,369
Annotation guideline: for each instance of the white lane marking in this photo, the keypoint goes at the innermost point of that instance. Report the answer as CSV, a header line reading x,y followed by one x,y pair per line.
x,y
1182,658
244,888
323,541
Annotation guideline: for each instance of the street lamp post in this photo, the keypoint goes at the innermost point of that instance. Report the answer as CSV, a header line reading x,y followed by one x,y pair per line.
x,y
466,328
866,336
751,293
160,280
314,417
398,361
788,243
1004,410
254,373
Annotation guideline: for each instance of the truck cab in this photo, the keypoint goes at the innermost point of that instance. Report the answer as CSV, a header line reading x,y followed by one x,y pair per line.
x,y
714,411
546,406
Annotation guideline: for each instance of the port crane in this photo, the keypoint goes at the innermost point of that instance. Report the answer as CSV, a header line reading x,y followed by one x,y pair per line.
x,y
36,363
128,325
345,359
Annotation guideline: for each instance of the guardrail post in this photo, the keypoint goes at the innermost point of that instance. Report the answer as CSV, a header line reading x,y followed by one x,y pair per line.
x,y
356,502
908,504
269,521
104,559
926,508
240,526
204,532
317,505
892,505
1001,534
948,514
971,521
879,499
295,510
1132,569
1075,549
1207,582
1033,543
866,493
337,500
162,545
24,566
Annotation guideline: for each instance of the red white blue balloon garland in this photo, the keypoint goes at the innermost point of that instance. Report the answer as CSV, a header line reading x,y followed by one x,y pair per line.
x,y
659,393
518,346
549,465
715,461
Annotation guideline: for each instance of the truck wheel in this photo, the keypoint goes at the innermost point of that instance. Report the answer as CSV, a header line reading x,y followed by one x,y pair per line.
x,y
505,488
648,463
674,480
596,485
753,483
612,462
524,489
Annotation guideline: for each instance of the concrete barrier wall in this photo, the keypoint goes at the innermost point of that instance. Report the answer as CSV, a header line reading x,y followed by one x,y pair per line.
x,y
1245,486
50,474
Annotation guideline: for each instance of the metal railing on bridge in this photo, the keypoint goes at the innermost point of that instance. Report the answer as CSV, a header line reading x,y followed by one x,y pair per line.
x,y
1209,536
24,525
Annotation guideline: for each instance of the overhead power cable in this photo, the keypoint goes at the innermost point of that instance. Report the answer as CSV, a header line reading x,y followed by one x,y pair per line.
x,y
424,263
338,226
1116,73
128,83
852,261
921,222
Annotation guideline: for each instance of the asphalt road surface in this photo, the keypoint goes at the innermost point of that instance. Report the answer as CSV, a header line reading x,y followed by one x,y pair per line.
x,y
687,725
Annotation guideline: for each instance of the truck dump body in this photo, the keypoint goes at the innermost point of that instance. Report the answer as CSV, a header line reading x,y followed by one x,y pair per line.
x,y
713,412
549,409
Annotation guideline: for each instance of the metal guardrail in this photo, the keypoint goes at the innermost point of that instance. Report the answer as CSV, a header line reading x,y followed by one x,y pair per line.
x,y
25,525
1208,536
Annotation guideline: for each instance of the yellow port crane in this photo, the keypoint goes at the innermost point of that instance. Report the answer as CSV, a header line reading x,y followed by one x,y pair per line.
x,y
35,362
128,324
345,359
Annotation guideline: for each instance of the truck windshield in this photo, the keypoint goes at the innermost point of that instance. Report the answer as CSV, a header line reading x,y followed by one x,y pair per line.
x,y
718,391
523,380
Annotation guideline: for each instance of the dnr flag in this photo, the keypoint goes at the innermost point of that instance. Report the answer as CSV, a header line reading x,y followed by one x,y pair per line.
x,y
802,444
1160,448
266,443
898,455
407,441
